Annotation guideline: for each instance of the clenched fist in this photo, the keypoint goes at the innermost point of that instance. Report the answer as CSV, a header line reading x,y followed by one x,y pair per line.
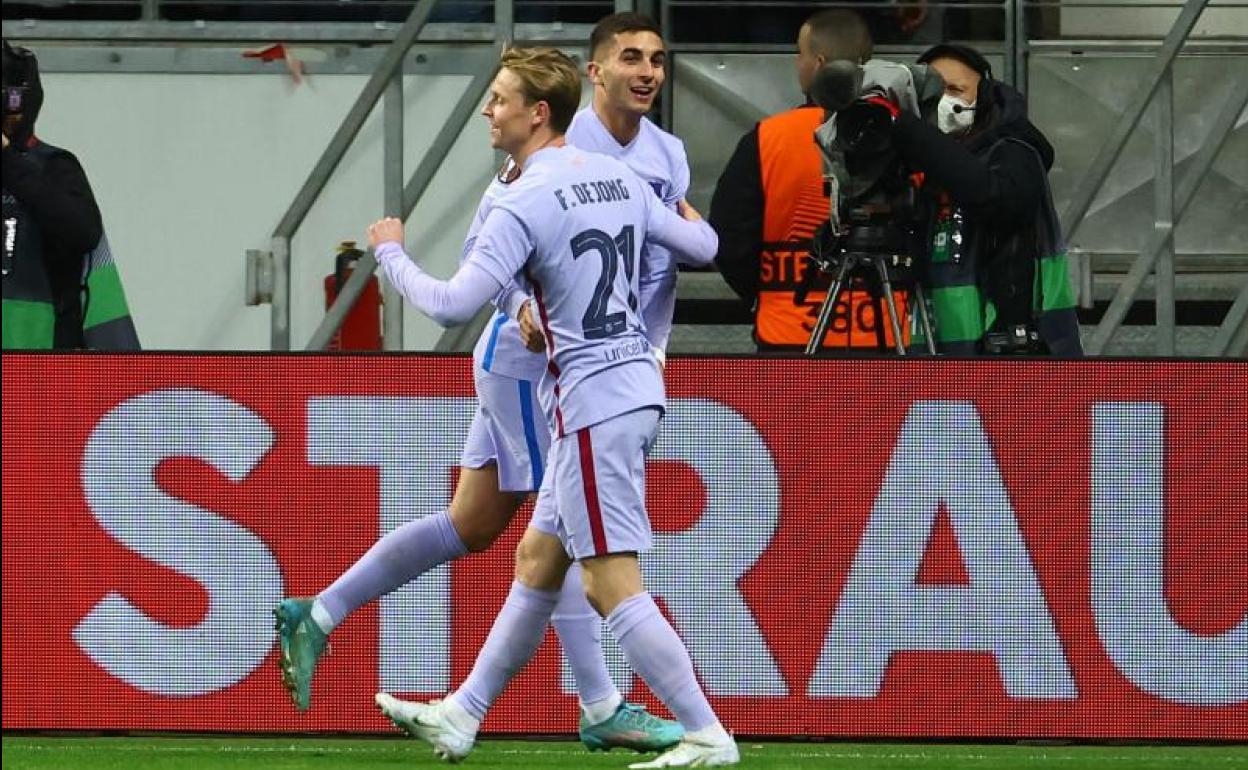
x,y
384,231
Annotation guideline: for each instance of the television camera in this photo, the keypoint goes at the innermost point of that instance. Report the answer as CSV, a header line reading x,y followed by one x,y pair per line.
x,y
873,233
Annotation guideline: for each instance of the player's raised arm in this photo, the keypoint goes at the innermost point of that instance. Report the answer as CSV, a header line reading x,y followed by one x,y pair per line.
x,y
447,302
691,240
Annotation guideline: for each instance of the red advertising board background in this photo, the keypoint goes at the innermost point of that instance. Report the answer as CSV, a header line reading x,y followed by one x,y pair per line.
x,y
829,429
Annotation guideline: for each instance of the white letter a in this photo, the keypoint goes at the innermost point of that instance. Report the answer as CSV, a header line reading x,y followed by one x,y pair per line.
x,y
943,457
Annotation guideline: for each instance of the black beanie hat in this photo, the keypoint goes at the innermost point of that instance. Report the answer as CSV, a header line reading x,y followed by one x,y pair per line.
x,y
21,68
963,53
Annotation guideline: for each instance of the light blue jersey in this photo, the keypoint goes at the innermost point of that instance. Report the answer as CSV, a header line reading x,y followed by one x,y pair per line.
x,y
499,349
660,160
574,224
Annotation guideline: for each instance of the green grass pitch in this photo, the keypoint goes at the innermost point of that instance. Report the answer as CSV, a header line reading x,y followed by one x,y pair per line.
x,y
299,752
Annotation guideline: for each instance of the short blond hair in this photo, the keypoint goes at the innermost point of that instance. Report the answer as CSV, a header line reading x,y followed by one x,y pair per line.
x,y
547,75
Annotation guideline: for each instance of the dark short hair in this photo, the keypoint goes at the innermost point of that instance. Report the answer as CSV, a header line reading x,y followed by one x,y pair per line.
x,y
609,26
840,34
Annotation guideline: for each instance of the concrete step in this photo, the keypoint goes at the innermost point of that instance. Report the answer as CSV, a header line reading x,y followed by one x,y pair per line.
x,y
1222,287
711,320
1197,286
1129,341
1133,341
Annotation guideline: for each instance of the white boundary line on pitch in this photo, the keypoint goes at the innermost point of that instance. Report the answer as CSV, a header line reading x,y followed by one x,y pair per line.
x,y
749,750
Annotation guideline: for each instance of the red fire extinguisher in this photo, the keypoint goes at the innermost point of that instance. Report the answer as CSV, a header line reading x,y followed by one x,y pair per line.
x,y
361,329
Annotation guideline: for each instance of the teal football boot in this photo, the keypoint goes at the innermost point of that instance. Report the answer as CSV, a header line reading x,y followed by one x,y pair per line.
x,y
303,643
631,727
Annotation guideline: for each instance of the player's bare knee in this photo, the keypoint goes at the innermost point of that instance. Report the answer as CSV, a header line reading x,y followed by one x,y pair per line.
x,y
602,598
524,563
597,593
532,572
540,561
529,566
610,580
594,604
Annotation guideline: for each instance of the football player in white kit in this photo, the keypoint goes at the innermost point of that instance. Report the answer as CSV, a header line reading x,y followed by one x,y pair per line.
x,y
627,67
502,460
574,226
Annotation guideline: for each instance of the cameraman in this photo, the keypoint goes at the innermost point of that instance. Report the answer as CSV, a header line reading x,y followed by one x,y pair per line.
x,y
770,199
997,274
61,288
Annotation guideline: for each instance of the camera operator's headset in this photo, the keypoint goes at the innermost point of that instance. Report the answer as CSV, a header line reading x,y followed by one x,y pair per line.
x,y
971,58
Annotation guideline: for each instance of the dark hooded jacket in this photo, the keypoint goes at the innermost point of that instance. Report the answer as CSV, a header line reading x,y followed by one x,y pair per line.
x,y
57,224
54,223
990,189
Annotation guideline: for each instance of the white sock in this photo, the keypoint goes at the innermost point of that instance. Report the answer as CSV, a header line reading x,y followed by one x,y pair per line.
x,y
711,736
459,717
322,618
601,710
517,632
659,657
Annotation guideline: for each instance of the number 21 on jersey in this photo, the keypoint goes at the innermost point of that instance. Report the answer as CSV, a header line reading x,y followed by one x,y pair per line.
x,y
597,323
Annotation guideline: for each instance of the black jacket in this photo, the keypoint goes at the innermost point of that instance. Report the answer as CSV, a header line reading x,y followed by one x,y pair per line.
x,y
997,176
737,216
1005,194
51,190
1002,193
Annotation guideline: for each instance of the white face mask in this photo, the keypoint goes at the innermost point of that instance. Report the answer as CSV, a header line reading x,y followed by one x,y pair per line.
x,y
953,115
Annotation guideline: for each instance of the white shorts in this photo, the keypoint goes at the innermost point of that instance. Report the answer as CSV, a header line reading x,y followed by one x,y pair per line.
x,y
545,516
594,498
508,430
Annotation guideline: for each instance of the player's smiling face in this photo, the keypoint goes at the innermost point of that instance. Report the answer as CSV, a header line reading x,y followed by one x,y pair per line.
x,y
631,70
511,118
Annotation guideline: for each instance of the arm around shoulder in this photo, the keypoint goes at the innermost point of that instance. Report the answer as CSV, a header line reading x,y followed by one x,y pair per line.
x,y
688,236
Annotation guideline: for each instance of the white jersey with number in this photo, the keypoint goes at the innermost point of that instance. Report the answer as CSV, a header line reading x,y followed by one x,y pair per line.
x,y
573,224
660,160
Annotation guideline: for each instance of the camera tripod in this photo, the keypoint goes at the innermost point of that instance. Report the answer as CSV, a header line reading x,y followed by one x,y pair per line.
x,y
849,263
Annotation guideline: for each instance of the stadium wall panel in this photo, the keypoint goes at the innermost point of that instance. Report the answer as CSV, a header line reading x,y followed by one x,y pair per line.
x,y
924,548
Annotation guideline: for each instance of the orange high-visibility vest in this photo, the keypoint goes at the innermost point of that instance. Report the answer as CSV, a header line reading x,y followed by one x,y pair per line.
x,y
794,205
